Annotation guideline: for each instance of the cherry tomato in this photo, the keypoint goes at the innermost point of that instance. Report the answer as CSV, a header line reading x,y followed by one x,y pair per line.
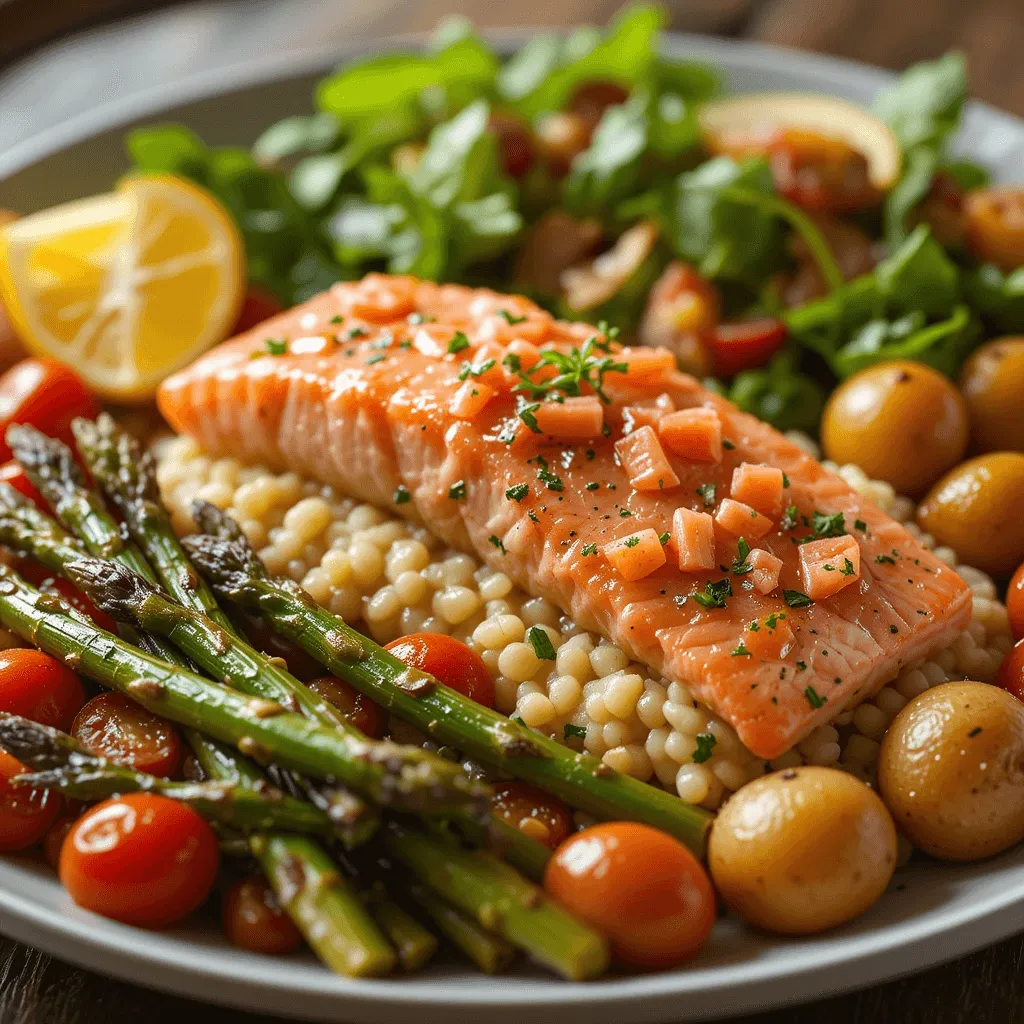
x,y
356,708
115,727
682,311
141,859
263,637
746,345
1015,603
46,394
515,142
995,225
25,814
449,661
561,137
40,688
1011,672
592,99
12,473
820,174
39,576
53,841
640,887
535,813
253,919
257,306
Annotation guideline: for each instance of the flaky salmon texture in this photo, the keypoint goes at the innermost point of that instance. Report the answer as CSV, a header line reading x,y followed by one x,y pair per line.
x,y
589,474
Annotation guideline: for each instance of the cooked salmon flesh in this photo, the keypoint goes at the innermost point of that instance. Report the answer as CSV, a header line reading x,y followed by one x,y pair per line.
x,y
649,509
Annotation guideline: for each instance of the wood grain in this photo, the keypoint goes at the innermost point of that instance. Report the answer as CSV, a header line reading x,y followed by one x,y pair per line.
x,y
987,987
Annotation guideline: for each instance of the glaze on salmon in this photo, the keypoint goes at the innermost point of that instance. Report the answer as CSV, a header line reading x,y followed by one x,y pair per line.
x,y
400,393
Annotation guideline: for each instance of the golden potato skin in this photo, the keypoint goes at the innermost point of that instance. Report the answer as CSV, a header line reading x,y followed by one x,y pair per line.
x,y
992,383
951,771
802,850
978,510
902,422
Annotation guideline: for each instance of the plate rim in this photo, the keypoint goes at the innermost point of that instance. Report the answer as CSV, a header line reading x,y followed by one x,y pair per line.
x,y
855,961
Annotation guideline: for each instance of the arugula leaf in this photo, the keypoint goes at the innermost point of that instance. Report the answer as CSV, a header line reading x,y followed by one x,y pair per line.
x,y
997,296
780,395
300,133
919,276
924,106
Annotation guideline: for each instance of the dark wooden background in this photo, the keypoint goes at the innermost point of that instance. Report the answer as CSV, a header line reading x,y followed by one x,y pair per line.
x,y
988,987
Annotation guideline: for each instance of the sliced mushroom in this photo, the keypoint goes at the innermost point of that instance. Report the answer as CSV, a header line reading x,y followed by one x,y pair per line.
x,y
554,244
591,284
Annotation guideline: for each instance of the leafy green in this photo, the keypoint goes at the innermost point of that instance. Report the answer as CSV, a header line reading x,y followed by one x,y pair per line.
x,y
997,296
314,133
919,276
780,395
286,251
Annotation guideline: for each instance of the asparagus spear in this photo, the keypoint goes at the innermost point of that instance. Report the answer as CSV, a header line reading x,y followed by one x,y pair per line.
x,y
413,943
430,786
236,573
501,900
59,762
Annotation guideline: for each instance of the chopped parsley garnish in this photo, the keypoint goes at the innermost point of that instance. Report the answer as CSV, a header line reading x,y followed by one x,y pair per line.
x,y
458,343
825,526
773,620
631,542
589,549
593,485
546,477
574,368
785,480
740,565
813,699
379,357
527,413
415,319
894,630
705,745
337,319
859,524
796,599
625,513
518,720
517,492
789,517
801,665
740,651
496,541
457,491
714,594
885,560
277,346
847,569
401,495
509,318
469,370
570,732
707,492
539,640
829,568
727,444
356,332
533,516
513,362
664,537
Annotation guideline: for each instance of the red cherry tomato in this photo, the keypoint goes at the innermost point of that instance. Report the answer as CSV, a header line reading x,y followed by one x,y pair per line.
x,y
535,813
12,473
1015,603
53,841
640,887
449,661
354,706
515,142
40,688
745,345
253,919
1011,672
46,394
41,577
592,99
140,859
257,306
821,174
115,727
25,814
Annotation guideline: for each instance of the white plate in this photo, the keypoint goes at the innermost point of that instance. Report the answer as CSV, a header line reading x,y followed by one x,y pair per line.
x,y
932,913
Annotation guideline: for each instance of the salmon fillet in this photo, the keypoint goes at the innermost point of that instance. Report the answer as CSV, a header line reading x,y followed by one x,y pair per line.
x,y
360,388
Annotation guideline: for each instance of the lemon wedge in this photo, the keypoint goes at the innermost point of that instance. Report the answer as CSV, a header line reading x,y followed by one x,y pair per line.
x,y
125,288
759,113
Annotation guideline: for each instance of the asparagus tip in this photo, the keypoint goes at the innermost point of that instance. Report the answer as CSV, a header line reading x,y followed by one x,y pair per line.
x,y
111,585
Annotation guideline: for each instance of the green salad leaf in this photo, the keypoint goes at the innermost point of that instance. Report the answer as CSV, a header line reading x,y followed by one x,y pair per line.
x,y
780,394
998,296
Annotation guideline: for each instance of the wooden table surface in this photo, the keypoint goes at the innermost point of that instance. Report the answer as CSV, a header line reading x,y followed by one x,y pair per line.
x,y
988,987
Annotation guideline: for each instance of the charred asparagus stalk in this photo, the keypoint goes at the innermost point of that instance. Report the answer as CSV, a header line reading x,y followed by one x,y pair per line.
x,y
429,786
236,574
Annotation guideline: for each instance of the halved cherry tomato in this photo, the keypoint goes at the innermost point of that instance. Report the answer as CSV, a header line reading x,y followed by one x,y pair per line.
x,y
745,345
39,576
115,727
641,888
354,706
141,859
46,394
1015,603
253,919
263,637
53,841
682,310
449,661
820,174
25,814
257,306
515,142
1011,672
40,688
12,473
535,813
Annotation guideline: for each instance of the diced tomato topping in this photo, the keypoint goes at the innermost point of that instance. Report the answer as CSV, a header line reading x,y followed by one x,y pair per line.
x,y
695,434
758,486
741,520
828,565
645,461
637,555
745,345
468,402
575,419
694,536
765,570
